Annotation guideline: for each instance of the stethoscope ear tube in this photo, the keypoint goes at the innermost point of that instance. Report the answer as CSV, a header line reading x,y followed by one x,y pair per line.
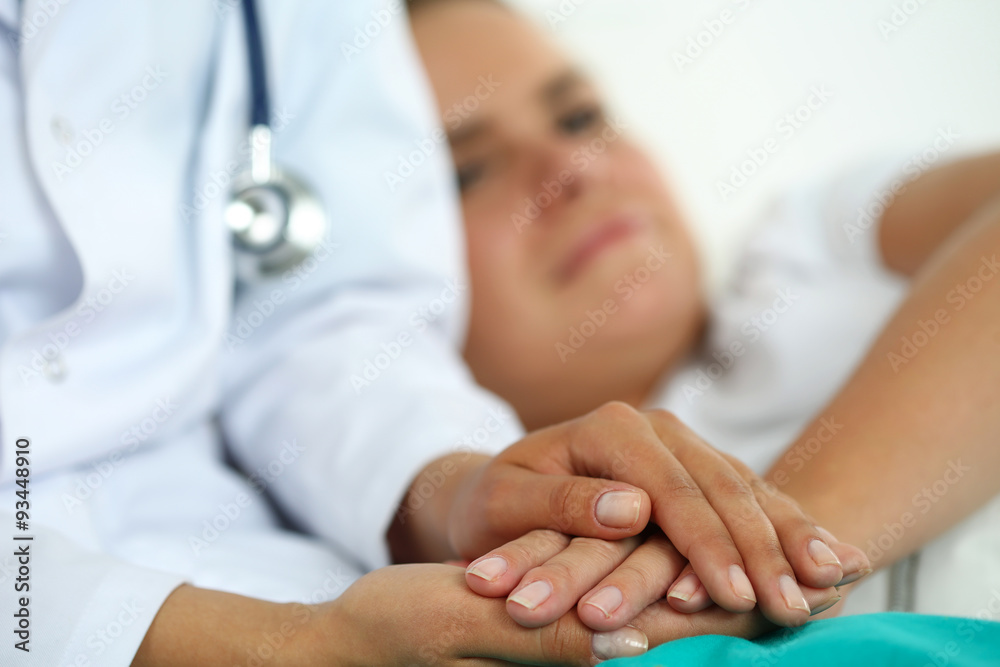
x,y
260,107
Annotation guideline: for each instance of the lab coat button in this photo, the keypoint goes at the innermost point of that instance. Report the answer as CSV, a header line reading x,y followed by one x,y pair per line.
x,y
62,130
55,369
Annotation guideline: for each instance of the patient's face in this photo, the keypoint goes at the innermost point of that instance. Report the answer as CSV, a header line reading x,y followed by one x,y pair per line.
x,y
568,222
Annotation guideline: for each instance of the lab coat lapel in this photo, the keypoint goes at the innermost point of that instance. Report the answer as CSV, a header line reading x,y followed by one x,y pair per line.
x,y
115,93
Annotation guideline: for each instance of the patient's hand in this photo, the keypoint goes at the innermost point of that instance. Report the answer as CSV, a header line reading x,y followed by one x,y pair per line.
x,y
746,542
610,583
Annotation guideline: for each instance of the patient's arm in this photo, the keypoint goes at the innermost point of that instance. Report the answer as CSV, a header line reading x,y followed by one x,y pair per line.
x,y
922,413
909,423
933,207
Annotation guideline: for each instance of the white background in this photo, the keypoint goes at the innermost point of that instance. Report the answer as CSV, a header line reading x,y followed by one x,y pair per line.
x,y
891,89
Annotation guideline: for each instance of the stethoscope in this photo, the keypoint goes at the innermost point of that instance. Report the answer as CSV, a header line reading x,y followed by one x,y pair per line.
x,y
275,218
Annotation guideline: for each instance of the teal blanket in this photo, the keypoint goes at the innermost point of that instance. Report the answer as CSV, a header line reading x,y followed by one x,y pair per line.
x,y
909,640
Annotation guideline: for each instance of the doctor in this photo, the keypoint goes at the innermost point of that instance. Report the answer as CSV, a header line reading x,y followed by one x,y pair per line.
x,y
134,364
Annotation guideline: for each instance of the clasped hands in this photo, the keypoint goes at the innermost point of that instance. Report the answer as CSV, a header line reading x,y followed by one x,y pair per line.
x,y
647,531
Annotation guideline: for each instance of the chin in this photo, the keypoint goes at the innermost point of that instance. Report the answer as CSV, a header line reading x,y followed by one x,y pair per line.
x,y
652,311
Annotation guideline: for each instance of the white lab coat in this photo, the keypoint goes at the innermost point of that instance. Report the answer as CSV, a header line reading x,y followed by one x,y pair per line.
x,y
128,358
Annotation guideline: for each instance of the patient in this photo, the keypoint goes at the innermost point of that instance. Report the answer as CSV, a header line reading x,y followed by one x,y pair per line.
x,y
854,358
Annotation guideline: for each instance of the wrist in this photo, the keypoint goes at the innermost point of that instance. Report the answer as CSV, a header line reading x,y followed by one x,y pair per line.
x,y
197,626
423,527
327,637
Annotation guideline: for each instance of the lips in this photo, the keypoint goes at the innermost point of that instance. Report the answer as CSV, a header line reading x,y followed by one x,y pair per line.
x,y
596,240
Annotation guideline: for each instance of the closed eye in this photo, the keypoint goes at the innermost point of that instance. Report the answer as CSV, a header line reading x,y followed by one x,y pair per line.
x,y
581,120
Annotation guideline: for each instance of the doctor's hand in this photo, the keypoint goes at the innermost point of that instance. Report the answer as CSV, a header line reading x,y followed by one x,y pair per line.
x,y
425,615
402,615
605,475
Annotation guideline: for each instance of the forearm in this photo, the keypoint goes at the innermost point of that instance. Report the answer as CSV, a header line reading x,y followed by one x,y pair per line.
x,y
933,206
419,533
197,627
919,423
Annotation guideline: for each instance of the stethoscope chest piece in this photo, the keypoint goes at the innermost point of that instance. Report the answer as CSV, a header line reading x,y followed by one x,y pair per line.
x,y
274,217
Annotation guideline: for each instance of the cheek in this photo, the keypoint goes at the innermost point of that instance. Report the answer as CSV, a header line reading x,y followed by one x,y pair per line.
x,y
635,172
498,268
637,176
511,309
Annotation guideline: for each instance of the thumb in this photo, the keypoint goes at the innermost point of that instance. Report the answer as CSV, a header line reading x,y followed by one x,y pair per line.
x,y
578,506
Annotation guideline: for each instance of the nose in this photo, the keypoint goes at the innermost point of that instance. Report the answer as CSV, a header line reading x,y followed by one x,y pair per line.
x,y
565,169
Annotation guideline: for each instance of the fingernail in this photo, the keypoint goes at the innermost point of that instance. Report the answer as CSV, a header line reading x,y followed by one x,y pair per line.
x,y
851,578
608,599
740,584
490,569
792,593
826,605
619,509
532,595
685,588
626,642
822,554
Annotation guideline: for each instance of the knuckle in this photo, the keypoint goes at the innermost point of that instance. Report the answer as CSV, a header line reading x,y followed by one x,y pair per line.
x,y
746,521
767,550
738,503
791,506
680,486
781,508
763,491
665,418
549,540
534,546
616,411
748,516
641,583
517,553
557,572
598,550
731,487
564,505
